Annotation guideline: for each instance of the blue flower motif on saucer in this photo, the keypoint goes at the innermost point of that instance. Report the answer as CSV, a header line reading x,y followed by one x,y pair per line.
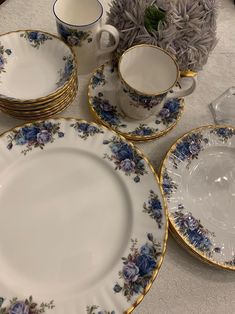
x,y
94,309
28,306
125,158
169,112
85,129
4,53
35,38
143,130
168,185
195,233
98,78
188,149
224,133
66,73
154,208
35,135
73,37
138,267
106,111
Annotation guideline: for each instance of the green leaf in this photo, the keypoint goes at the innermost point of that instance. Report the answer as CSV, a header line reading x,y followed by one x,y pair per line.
x,y
152,16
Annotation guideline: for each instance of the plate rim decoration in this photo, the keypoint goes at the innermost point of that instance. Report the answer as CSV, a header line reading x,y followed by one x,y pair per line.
x,y
59,90
155,179
128,136
173,230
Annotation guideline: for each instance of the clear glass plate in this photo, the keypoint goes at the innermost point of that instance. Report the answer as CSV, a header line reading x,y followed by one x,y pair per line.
x,y
223,107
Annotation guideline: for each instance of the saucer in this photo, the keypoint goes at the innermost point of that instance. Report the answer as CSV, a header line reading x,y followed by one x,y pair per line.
x,y
104,104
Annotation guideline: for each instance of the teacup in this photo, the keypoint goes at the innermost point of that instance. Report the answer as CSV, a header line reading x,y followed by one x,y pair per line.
x,y
79,25
147,74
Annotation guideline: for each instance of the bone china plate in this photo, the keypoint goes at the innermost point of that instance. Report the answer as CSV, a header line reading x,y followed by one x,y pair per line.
x,y
198,179
33,65
84,225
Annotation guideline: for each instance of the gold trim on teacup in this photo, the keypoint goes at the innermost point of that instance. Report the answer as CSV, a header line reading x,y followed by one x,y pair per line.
x,y
159,264
58,90
131,137
155,47
172,226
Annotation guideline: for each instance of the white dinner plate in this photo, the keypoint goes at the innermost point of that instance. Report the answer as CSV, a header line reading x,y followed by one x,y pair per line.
x,y
84,225
33,64
198,179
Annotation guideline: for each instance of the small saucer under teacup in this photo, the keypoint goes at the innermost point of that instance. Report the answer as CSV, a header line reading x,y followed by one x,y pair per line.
x,y
104,103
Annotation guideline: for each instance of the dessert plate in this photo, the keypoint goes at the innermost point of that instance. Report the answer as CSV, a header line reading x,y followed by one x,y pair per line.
x,y
85,225
198,180
34,65
104,104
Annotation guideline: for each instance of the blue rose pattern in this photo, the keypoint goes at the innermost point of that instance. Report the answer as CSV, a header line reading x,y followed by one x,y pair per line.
x,y
85,129
188,149
146,102
169,112
223,133
35,38
98,79
66,73
73,37
144,130
138,267
106,111
3,58
154,208
27,306
125,158
195,233
34,135
168,185
94,309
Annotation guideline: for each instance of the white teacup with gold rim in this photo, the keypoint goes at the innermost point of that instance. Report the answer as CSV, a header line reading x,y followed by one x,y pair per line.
x,y
148,74
79,25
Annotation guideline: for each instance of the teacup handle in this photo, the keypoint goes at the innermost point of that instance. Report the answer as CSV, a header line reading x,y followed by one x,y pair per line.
x,y
185,92
113,32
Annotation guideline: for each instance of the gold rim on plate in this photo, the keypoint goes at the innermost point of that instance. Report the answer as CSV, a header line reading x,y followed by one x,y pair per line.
x,y
38,104
44,115
21,109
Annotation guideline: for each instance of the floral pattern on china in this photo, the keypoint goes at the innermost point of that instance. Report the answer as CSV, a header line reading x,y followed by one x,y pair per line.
x,y
35,38
74,37
34,135
28,306
4,54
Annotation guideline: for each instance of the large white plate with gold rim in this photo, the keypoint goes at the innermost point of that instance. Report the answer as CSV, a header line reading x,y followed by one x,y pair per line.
x,y
84,225
33,65
198,179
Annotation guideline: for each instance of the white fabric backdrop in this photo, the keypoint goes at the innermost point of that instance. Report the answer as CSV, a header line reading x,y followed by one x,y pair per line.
x,y
184,284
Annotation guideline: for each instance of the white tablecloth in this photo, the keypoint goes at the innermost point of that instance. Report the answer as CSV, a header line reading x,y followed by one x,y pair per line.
x,y
184,284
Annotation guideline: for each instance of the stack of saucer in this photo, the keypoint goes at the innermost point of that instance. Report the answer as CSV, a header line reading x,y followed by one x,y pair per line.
x,y
38,75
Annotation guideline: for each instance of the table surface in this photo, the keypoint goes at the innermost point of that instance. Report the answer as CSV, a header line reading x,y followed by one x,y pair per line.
x,y
184,284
